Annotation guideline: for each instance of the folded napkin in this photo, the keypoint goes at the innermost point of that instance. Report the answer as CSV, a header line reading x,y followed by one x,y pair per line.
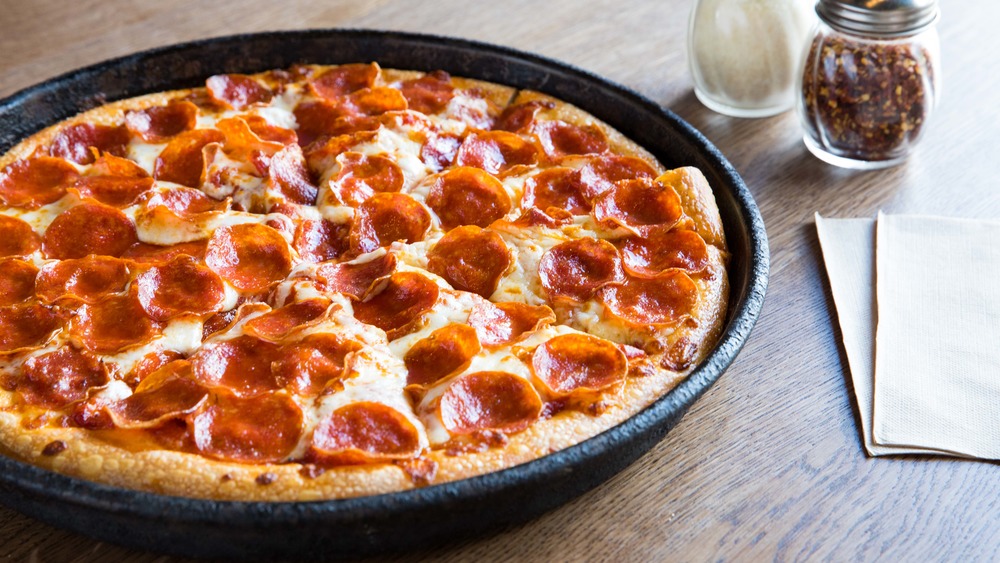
x,y
919,309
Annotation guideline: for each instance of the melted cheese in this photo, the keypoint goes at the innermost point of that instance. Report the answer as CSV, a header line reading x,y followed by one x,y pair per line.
x,y
42,217
279,113
167,229
399,147
144,154
181,335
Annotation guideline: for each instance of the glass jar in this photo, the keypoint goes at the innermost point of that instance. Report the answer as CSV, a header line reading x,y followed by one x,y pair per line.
x,y
744,54
870,80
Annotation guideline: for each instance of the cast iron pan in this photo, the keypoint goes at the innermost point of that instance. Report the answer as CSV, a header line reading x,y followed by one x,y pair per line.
x,y
438,513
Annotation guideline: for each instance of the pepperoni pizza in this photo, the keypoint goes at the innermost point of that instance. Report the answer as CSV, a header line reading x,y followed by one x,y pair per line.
x,y
326,282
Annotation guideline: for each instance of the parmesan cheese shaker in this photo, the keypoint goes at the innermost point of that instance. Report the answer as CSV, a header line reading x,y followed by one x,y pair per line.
x,y
744,54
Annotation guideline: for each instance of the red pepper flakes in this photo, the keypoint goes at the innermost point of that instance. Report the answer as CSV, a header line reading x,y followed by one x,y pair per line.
x,y
866,99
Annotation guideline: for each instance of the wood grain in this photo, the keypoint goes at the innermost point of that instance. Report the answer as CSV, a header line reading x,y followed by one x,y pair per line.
x,y
769,464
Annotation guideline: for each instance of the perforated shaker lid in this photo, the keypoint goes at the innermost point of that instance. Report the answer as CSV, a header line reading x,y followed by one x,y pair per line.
x,y
883,18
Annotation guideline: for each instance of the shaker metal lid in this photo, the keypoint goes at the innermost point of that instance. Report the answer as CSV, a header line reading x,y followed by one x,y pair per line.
x,y
884,18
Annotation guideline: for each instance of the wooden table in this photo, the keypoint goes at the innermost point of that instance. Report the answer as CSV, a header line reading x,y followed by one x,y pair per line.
x,y
769,464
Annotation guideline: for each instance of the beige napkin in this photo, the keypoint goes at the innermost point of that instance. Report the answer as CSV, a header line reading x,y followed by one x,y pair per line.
x,y
929,382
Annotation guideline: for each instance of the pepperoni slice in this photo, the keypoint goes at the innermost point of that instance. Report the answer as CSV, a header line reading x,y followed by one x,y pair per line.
x,y
182,160
489,400
56,379
85,279
114,181
468,196
243,145
89,228
288,174
351,116
76,141
267,132
110,165
17,281
344,79
242,364
250,256
576,269
364,432
220,322
552,217
262,429
385,218
163,395
520,117
362,176
374,101
113,324
600,173
406,296
470,259
318,241
639,204
143,253
573,364
429,93
35,181
27,325
283,77
307,366
17,238
560,139
179,203
555,188
280,323
661,251
181,286
351,128
356,279
444,352
237,90
159,123
322,155
664,299
496,151
316,120
440,150
149,364
498,324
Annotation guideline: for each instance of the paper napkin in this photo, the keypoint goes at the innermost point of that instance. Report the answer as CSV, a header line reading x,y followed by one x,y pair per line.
x,y
849,252
918,300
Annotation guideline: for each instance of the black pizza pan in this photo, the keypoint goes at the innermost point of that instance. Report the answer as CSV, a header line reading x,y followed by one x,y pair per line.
x,y
435,514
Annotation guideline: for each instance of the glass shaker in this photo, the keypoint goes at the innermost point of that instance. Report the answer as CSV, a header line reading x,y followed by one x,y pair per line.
x,y
744,54
870,79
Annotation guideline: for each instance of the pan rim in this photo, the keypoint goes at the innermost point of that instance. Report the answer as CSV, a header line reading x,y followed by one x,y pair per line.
x,y
667,409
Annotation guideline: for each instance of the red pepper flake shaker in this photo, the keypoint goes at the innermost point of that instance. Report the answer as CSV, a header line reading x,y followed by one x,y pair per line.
x,y
870,80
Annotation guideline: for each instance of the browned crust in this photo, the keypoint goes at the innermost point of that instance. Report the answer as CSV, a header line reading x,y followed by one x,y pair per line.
x,y
177,473
108,114
183,474
698,203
